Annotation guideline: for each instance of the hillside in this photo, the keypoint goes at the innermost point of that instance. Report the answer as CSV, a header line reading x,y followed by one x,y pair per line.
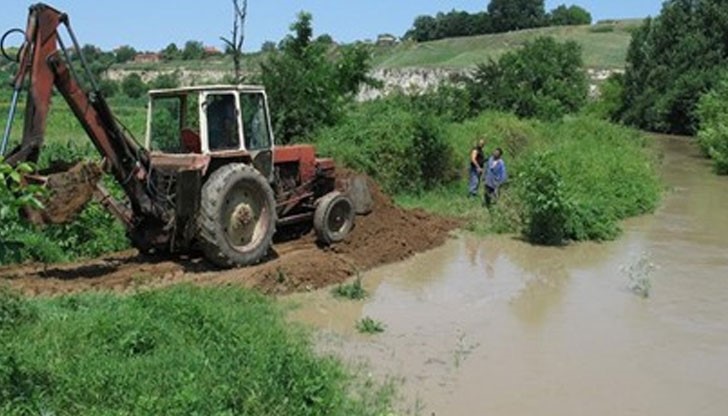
x,y
604,45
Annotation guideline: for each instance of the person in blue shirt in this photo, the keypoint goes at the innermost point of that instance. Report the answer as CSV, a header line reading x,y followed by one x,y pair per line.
x,y
495,176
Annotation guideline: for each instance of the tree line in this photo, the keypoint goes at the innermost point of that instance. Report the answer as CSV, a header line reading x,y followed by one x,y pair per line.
x,y
676,75
500,16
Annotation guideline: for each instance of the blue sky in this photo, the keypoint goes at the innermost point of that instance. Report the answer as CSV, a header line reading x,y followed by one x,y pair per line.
x,y
152,24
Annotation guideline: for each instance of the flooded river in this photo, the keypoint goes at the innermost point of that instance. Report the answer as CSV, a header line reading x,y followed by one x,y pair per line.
x,y
498,327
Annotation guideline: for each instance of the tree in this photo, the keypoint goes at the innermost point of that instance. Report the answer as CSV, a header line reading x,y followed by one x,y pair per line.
x,y
268,46
171,52
507,15
569,16
234,44
133,86
423,29
672,61
108,87
545,79
125,54
306,87
193,50
713,134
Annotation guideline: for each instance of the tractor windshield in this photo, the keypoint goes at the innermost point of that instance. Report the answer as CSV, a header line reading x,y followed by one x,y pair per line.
x,y
255,121
223,131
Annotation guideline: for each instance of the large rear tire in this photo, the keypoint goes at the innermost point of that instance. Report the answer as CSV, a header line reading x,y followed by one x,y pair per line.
x,y
334,218
237,216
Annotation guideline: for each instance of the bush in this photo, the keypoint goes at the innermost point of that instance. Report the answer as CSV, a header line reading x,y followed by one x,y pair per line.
x,y
713,134
403,149
133,86
570,180
608,105
168,80
183,350
545,80
15,310
546,208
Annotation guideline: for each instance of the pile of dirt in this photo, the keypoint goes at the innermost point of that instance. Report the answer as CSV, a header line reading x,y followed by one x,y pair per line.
x,y
388,234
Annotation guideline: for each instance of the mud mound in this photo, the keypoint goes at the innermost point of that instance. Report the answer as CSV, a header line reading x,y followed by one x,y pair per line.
x,y
388,234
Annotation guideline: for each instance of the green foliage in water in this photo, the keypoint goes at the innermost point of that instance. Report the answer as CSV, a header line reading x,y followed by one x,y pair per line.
x,y
713,134
367,325
184,350
352,291
546,206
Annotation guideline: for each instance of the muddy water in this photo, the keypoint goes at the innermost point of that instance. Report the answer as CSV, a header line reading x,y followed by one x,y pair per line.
x,y
498,327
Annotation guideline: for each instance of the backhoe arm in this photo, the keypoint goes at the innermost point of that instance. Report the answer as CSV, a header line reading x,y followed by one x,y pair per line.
x,y
44,63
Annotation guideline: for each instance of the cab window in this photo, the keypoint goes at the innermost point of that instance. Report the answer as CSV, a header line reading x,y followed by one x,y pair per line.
x,y
165,125
255,121
223,132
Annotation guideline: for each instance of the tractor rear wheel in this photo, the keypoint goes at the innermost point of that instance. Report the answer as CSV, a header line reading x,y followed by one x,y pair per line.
x,y
237,216
334,218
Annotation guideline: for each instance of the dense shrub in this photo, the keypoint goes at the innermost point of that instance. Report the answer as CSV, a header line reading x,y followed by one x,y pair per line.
x,y
608,105
403,148
180,351
133,86
546,207
713,134
672,60
570,180
545,79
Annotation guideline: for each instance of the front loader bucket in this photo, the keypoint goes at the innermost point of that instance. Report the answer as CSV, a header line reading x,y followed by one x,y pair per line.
x,y
68,192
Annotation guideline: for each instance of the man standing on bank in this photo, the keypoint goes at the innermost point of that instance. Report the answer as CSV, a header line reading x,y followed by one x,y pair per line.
x,y
495,176
477,163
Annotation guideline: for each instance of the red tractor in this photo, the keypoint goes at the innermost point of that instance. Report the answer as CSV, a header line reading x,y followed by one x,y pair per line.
x,y
209,175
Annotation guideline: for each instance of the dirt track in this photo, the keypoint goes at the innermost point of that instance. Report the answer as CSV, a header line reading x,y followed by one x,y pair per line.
x,y
387,235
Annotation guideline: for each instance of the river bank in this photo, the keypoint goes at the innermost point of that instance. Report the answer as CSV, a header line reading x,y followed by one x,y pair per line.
x,y
496,326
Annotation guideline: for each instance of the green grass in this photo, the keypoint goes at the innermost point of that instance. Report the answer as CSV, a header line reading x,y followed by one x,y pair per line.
x,y
370,326
608,172
602,48
351,291
178,351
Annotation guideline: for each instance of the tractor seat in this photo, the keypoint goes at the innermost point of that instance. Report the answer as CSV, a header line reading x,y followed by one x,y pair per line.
x,y
191,141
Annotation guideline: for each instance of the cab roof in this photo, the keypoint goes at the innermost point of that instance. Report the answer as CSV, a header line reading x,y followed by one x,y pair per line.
x,y
207,88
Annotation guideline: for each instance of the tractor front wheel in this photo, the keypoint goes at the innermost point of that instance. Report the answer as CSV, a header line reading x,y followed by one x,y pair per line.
x,y
334,218
237,216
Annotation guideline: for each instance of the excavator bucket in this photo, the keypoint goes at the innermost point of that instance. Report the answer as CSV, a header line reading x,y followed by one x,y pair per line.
x,y
68,192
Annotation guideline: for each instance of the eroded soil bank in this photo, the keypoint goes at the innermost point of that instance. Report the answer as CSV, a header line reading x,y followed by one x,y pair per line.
x,y
389,234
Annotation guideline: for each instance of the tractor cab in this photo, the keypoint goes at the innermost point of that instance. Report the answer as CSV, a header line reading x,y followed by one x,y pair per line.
x,y
222,121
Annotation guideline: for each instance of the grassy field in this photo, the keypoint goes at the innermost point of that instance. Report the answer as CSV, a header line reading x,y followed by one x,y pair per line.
x,y
178,351
604,46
